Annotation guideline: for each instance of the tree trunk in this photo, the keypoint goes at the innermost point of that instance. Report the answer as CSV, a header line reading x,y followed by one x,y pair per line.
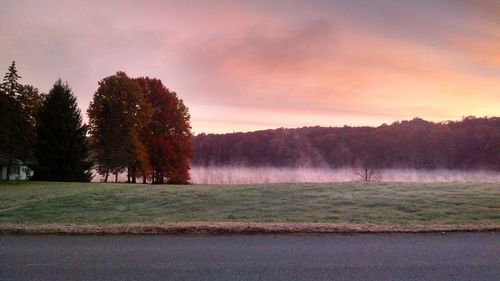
x,y
116,177
160,178
8,168
134,178
106,176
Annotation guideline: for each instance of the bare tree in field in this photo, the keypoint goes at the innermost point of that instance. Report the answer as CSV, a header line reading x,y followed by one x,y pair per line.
x,y
367,172
366,168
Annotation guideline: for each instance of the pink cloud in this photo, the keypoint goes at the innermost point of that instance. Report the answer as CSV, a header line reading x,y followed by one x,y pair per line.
x,y
270,63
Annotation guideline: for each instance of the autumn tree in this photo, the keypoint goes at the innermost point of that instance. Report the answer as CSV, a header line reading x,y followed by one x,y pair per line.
x,y
168,136
118,115
61,150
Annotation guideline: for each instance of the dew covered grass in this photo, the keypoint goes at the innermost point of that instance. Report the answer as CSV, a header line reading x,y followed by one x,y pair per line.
x,y
348,202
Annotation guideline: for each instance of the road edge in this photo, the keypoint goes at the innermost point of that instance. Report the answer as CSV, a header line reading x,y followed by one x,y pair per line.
x,y
233,228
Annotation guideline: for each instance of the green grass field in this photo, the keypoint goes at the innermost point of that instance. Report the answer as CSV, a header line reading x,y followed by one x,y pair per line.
x,y
376,203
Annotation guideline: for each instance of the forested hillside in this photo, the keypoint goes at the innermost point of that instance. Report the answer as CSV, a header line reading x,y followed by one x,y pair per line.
x,y
472,143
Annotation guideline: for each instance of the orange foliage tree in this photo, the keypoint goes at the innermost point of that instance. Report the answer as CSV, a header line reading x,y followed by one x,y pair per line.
x,y
168,136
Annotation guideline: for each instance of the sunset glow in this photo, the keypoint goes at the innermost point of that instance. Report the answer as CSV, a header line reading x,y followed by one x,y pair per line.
x,y
248,65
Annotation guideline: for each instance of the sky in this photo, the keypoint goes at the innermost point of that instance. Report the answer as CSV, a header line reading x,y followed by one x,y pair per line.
x,y
252,65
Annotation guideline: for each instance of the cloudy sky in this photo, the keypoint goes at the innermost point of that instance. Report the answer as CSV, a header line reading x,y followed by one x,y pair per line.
x,y
248,65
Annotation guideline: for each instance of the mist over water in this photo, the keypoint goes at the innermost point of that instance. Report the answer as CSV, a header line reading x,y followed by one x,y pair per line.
x,y
255,175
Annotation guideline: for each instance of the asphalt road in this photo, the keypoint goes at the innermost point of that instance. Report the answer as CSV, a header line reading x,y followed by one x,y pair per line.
x,y
465,256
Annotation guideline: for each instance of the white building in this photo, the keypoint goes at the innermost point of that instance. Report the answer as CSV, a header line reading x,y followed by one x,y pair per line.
x,y
18,171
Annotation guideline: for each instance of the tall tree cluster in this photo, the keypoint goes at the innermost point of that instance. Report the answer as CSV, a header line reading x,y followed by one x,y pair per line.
x,y
472,143
43,132
139,126
19,106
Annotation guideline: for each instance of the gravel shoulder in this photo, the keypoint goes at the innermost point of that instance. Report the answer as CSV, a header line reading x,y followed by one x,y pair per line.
x,y
230,228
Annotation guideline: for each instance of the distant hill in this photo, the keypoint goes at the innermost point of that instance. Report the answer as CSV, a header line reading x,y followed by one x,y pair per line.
x,y
472,143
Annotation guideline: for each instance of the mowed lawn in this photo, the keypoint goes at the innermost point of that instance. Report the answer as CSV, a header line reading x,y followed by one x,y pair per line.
x,y
376,203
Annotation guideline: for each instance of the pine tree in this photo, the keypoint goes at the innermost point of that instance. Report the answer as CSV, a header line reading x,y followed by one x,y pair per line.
x,y
61,150
10,86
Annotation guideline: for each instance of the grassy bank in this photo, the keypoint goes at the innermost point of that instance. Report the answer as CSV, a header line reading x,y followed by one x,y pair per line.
x,y
350,203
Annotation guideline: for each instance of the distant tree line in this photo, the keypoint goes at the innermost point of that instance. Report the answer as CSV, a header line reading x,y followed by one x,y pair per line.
x,y
472,143
135,125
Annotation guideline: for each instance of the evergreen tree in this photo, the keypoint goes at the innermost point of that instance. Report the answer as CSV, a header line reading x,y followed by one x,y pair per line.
x,y
10,86
61,147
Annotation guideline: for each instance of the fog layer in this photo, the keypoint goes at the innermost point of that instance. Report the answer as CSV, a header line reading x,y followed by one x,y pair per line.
x,y
250,175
